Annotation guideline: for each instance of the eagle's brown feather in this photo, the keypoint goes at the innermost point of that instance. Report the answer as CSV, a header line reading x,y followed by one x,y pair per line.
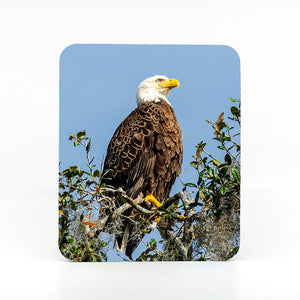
x,y
145,154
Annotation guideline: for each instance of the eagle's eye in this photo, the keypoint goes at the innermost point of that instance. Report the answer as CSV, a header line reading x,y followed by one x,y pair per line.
x,y
158,80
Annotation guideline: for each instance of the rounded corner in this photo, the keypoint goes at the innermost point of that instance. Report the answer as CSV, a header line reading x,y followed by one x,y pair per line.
x,y
234,52
236,251
62,254
65,51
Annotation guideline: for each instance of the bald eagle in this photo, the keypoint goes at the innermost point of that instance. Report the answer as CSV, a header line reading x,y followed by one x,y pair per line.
x,y
144,155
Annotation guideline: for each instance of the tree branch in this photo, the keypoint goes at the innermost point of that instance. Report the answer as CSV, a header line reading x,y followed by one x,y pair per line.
x,y
134,203
171,200
178,243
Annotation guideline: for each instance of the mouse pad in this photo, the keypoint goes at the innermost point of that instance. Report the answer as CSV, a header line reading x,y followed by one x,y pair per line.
x,y
149,153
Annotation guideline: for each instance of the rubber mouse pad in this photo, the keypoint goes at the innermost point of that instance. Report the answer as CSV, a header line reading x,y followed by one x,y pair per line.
x,y
149,153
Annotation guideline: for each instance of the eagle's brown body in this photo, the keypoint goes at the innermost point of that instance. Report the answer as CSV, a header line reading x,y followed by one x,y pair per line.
x,y
145,155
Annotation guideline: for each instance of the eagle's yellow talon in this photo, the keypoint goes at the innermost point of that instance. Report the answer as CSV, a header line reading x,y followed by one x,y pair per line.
x,y
151,198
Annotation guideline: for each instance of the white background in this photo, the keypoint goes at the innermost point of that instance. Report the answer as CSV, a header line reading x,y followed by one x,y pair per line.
x,y
266,34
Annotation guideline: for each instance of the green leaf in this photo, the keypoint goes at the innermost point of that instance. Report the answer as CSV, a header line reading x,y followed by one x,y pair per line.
x,y
142,257
94,258
223,190
197,196
223,171
96,173
222,147
76,143
81,134
212,173
103,255
226,138
153,243
166,216
190,184
106,185
216,162
73,249
236,175
220,126
194,163
71,172
73,204
200,179
233,100
228,159
228,130
200,148
103,243
235,111
192,205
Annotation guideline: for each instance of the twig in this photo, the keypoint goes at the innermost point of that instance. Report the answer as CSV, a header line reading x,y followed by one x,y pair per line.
x,y
125,259
119,192
209,154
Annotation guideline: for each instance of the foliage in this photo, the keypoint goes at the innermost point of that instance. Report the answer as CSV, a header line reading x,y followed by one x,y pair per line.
x,y
200,223
77,236
217,227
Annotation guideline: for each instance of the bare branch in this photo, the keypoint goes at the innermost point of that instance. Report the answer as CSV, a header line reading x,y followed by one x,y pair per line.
x,y
120,193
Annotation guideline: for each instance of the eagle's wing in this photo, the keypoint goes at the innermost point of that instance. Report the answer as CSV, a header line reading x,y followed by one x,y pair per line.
x,y
145,153
131,154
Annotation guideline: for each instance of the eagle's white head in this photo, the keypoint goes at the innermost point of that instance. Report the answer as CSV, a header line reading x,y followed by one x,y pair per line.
x,y
155,88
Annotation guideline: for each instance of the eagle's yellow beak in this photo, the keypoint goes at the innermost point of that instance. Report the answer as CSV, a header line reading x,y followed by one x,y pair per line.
x,y
170,83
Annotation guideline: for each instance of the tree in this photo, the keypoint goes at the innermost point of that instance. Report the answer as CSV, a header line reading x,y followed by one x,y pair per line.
x,y
201,222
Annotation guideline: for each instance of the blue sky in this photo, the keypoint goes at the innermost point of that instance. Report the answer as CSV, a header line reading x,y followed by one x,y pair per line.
x,y
98,85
